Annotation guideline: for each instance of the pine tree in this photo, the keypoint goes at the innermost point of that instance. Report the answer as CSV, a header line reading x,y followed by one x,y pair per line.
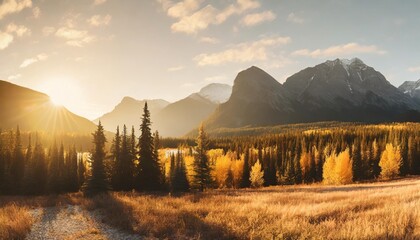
x,y
17,168
97,181
116,154
149,174
257,175
124,168
202,177
357,161
245,182
179,181
36,176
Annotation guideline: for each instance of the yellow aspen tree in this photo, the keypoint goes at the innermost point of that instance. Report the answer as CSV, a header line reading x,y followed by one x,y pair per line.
x,y
305,166
344,168
390,162
257,175
328,173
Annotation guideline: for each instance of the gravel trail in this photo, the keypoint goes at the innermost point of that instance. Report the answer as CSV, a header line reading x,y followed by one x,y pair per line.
x,y
72,222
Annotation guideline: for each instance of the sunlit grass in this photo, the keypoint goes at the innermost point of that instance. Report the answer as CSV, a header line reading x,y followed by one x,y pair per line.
x,y
15,222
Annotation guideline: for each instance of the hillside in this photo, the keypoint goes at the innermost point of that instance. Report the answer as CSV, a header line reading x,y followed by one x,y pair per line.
x,y
33,111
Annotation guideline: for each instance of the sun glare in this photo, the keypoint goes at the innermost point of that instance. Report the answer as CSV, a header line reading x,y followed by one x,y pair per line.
x,y
63,91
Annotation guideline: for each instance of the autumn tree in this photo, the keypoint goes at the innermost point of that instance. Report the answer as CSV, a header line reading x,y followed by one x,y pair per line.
x,y
390,162
338,168
202,170
257,175
149,172
97,181
178,173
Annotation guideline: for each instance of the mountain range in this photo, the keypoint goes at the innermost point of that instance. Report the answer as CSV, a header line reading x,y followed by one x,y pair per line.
x,y
337,90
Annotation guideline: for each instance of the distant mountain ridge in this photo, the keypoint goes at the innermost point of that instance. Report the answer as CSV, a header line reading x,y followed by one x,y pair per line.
x,y
411,88
128,112
170,119
34,111
338,90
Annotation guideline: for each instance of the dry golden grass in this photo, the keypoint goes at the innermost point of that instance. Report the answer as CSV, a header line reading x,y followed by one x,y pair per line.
x,y
382,210
15,222
385,210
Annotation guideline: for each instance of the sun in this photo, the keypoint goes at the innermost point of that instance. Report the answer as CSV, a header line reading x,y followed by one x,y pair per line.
x,y
63,91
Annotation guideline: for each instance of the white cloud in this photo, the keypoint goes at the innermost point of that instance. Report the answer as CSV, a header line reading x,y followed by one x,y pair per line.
x,y
14,77
294,18
183,8
98,2
414,69
36,12
243,52
98,20
77,38
30,61
5,40
176,68
19,30
13,6
191,19
340,50
258,18
210,40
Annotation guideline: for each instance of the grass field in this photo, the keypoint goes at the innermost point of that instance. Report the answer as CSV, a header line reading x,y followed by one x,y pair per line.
x,y
382,210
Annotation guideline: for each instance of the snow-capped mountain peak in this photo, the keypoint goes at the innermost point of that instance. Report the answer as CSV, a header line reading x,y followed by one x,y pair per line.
x,y
216,92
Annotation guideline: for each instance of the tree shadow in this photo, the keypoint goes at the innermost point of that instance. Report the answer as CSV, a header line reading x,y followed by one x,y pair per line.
x,y
161,224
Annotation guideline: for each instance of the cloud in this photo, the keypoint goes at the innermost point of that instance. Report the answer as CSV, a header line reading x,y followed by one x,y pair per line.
x,y
77,38
5,40
414,69
191,19
340,50
174,69
13,6
14,77
19,30
183,8
210,40
98,2
30,61
36,12
258,18
98,20
243,52
295,19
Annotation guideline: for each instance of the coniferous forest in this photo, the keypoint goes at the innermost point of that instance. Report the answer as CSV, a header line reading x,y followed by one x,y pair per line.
x,y
333,155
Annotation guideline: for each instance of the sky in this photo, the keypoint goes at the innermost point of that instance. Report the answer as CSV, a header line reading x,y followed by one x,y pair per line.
x,y
88,54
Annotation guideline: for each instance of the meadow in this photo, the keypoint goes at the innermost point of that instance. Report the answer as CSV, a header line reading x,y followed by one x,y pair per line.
x,y
376,210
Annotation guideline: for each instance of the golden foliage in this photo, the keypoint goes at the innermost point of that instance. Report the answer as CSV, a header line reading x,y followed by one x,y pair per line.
x,y
390,162
338,168
256,176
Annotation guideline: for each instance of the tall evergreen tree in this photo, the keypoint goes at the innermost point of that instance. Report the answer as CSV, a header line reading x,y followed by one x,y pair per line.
x,y
97,181
178,176
202,170
37,173
245,182
149,174
17,168
124,166
116,154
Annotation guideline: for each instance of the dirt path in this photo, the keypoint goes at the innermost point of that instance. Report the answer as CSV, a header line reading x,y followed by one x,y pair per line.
x,y
72,222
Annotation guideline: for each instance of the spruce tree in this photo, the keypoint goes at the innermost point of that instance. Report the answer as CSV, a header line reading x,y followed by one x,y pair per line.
x,y
149,174
116,153
97,181
202,177
125,166
17,168
36,176
179,181
245,182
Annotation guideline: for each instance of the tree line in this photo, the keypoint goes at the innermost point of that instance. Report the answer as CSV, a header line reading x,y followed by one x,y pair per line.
x,y
336,155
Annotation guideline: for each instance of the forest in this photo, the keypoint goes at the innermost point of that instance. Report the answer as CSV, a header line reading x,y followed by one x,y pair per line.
x,y
330,154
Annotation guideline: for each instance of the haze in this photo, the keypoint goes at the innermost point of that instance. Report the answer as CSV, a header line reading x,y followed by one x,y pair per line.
x,y
89,54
